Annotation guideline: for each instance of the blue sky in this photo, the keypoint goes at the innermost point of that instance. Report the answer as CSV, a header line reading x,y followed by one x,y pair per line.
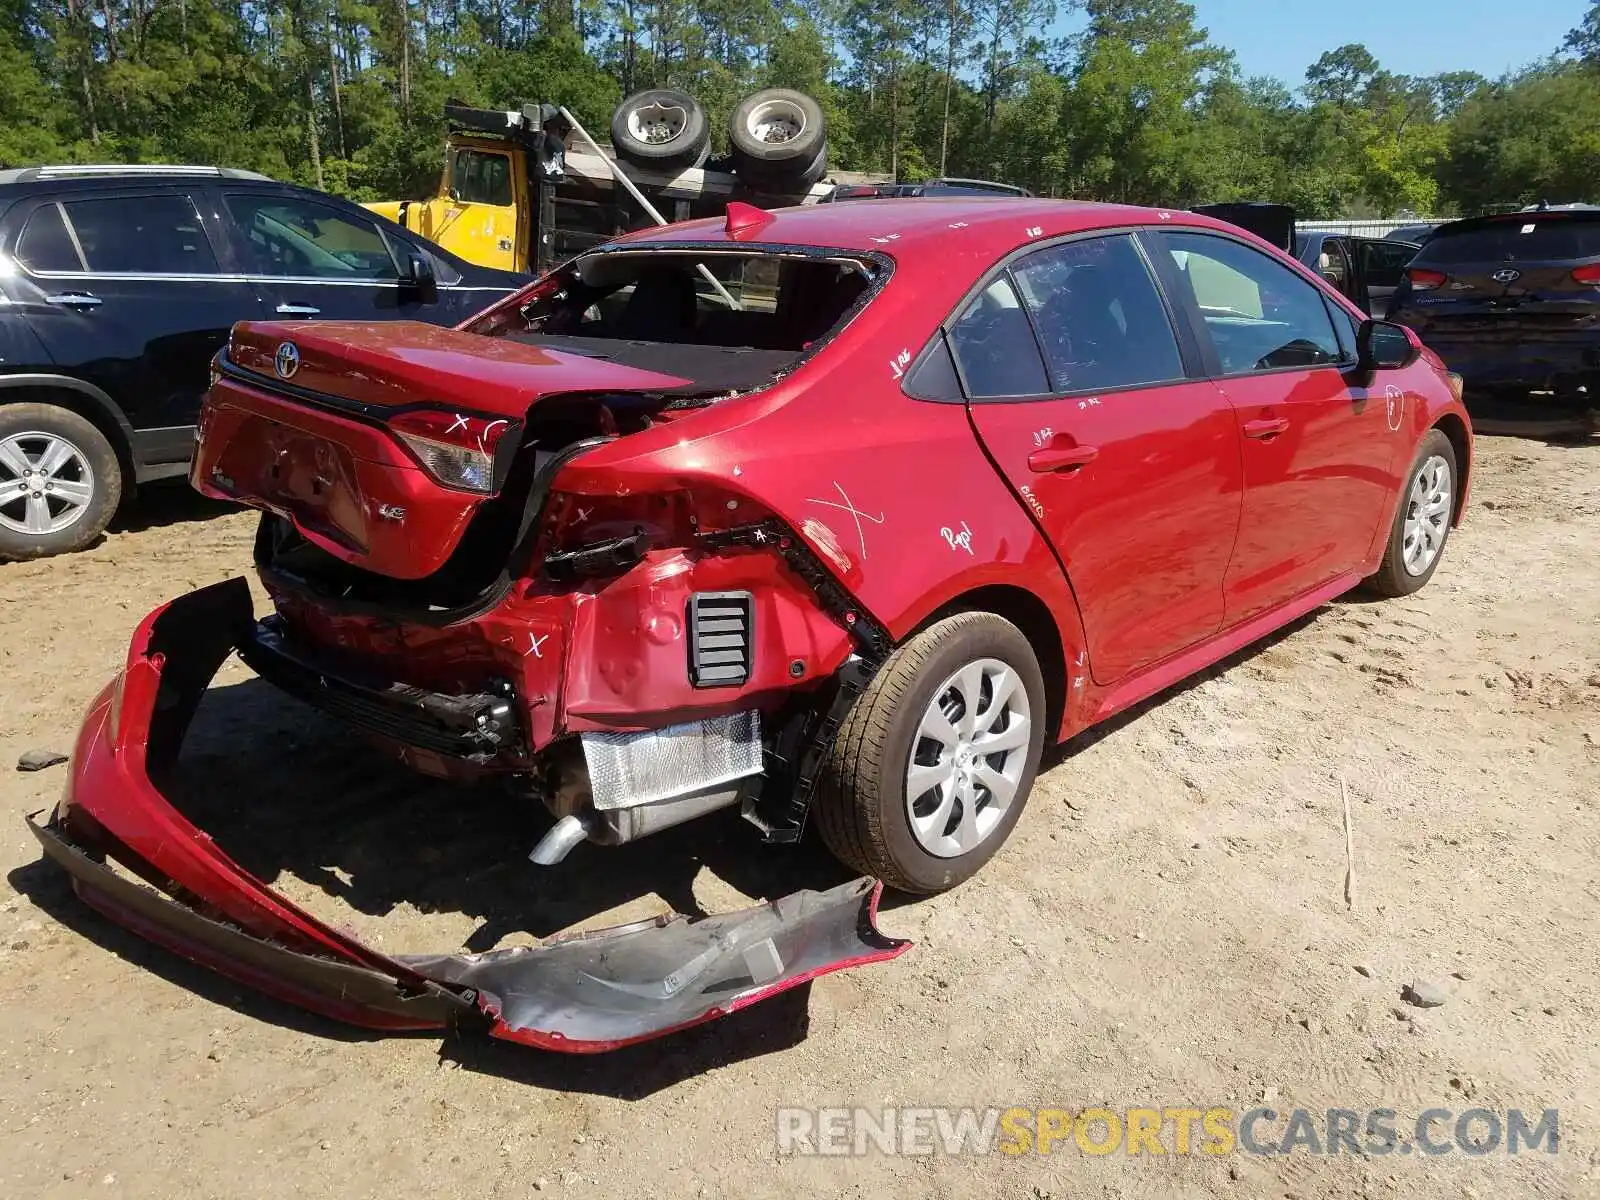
x,y
1410,37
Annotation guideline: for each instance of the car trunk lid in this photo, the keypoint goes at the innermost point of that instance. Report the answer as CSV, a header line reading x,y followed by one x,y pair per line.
x,y
382,444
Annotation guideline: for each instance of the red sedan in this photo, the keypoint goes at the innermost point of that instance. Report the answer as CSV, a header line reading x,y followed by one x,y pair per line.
x,y
839,511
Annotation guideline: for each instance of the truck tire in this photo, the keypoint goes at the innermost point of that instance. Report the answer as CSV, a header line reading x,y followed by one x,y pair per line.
x,y
60,481
909,793
661,129
779,141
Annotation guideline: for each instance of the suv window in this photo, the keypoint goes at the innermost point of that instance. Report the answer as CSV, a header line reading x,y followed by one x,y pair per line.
x,y
1099,316
479,178
45,244
1260,315
141,235
289,236
1515,240
995,347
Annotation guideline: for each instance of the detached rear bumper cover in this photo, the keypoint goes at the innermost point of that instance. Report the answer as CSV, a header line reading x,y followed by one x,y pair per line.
x,y
583,994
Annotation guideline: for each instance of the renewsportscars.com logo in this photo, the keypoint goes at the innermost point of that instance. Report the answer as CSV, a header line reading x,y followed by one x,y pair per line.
x,y
1095,1132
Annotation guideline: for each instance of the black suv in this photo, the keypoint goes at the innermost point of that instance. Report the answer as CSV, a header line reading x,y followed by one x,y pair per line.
x,y
1511,302
119,284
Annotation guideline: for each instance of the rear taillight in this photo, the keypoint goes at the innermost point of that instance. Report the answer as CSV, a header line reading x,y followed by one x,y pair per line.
x,y
457,449
1588,275
1424,280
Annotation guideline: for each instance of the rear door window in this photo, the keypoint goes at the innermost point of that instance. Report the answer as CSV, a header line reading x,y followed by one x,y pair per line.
x,y
45,244
1515,241
141,235
1099,316
995,347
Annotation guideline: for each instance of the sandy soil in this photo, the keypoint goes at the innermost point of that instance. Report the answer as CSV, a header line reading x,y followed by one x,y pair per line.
x,y
1166,927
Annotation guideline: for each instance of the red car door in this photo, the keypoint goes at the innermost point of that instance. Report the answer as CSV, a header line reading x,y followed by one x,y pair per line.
x,y
1317,452
1128,466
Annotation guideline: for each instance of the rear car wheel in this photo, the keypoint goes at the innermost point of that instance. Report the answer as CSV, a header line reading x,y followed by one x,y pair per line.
x,y
1422,520
661,129
59,481
779,140
931,769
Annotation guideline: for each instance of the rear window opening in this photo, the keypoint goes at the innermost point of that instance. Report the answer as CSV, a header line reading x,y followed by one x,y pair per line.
x,y
728,321
1522,238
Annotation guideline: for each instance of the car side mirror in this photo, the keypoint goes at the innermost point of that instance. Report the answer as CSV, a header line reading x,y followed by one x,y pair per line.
x,y
419,279
1385,346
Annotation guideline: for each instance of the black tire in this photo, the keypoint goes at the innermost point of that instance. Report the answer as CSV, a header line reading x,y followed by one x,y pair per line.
x,y
779,140
861,805
1394,577
661,129
25,430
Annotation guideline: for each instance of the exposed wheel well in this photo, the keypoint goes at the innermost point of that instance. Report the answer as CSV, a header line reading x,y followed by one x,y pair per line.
x,y
1031,615
1454,428
85,407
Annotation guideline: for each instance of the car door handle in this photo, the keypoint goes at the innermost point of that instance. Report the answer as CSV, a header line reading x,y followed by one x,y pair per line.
x,y
1266,427
75,300
1061,458
297,310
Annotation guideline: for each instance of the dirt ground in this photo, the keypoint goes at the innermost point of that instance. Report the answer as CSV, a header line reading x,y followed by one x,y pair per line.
x,y
1166,927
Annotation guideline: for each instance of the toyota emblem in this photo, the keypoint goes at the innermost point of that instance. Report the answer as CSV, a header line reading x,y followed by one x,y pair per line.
x,y
1506,276
287,359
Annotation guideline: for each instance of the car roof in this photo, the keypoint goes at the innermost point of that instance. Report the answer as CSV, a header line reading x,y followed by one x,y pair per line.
x,y
1575,212
115,174
984,225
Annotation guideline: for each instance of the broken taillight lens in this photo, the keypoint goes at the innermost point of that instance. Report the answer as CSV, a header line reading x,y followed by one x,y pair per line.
x,y
1589,274
1424,280
457,449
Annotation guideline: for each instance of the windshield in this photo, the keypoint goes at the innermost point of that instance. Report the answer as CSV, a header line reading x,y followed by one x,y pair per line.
x,y
1545,240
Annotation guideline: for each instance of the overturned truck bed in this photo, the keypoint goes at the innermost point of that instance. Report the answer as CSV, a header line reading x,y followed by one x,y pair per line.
x,y
582,993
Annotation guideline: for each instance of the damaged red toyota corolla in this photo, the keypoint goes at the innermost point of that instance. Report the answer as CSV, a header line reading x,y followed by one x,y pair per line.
x,y
846,510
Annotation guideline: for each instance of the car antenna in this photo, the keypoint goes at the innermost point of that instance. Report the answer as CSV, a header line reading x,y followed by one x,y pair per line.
x,y
746,219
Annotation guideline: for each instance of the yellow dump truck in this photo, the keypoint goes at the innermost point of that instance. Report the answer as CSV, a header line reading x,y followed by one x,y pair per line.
x,y
523,190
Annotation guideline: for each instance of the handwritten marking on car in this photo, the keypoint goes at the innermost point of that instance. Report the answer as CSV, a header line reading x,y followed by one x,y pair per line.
x,y
1041,436
1395,406
1033,230
1078,673
962,540
899,363
484,436
886,239
958,224
1089,402
533,645
855,514
1165,216
459,423
583,515
1032,501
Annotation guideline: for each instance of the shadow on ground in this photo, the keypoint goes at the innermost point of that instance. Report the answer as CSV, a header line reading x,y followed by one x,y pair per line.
x,y
165,503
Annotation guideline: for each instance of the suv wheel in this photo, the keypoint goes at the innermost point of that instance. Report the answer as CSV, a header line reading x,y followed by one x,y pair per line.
x,y
59,481
931,769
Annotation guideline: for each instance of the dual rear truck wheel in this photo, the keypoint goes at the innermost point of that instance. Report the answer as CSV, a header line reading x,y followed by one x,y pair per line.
x,y
777,138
